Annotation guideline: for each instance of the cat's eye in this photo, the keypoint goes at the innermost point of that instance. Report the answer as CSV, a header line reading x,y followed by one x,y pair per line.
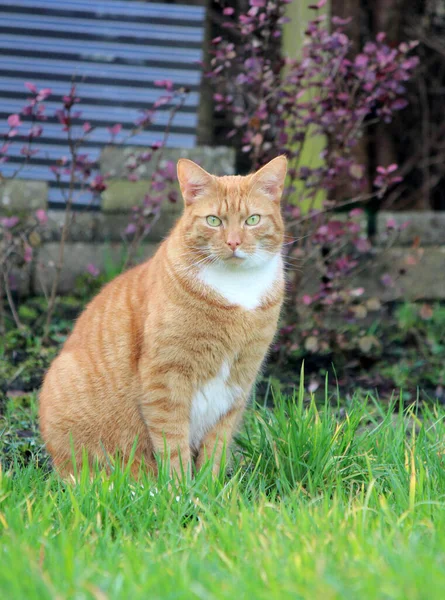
x,y
253,220
214,221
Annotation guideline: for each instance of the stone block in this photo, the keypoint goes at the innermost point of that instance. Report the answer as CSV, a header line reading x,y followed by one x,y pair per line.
x,y
18,195
20,279
416,274
219,160
111,226
170,213
82,227
426,226
121,195
77,256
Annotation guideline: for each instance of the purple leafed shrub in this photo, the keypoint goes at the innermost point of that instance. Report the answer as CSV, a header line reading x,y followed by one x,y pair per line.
x,y
276,104
326,98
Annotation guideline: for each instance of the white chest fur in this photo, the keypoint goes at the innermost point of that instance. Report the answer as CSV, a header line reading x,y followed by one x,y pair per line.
x,y
211,402
243,285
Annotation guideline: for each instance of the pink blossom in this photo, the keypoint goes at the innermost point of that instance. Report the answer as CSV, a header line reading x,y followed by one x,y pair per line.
x,y
115,130
362,244
71,98
391,223
64,118
14,121
228,11
399,104
357,292
98,184
387,280
361,60
93,270
145,119
35,131
31,87
41,216
356,212
86,127
27,254
43,94
130,229
28,152
306,299
340,22
162,101
9,222
259,3
158,186
319,5
165,83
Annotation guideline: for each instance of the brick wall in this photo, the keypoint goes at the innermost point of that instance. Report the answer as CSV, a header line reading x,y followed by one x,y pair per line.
x,y
96,237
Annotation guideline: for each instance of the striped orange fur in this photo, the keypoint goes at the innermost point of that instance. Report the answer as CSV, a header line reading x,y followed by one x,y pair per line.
x,y
168,352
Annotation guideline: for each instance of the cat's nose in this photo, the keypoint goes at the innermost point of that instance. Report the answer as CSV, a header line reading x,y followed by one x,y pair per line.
x,y
233,243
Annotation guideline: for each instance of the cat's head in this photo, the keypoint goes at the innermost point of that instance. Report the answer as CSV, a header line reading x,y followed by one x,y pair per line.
x,y
233,219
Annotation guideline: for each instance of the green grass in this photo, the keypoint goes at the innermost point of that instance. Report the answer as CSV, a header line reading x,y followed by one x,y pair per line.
x,y
322,503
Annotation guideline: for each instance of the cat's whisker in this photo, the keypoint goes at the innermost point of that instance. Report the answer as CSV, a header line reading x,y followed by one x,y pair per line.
x,y
187,268
292,269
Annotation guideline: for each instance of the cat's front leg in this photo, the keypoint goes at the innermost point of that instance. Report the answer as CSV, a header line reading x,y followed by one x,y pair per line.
x,y
243,374
166,412
217,441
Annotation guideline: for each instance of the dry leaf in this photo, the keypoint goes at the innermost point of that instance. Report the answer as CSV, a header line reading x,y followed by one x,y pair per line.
x,y
360,311
311,343
34,239
426,311
373,304
367,342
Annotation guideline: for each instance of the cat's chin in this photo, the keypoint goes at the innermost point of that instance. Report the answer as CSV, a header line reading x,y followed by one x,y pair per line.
x,y
235,259
242,260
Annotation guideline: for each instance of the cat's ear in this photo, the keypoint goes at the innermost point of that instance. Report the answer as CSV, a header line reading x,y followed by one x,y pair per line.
x,y
269,180
193,180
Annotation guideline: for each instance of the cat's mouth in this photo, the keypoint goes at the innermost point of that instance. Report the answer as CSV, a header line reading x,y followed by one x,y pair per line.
x,y
237,256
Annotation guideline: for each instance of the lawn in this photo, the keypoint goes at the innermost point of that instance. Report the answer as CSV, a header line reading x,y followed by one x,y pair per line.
x,y
344,500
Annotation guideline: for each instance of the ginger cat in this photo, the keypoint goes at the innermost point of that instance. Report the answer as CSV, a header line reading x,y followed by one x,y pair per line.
x,y
168,352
